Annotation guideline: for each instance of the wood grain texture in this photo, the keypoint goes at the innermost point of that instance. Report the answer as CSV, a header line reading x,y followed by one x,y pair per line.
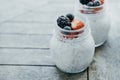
x,y
27,28
24,41
25,32
25,56
107,57
46,14
13,8
36,73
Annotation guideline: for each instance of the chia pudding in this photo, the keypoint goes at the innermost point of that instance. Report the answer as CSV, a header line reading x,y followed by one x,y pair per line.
x,y
98,16
72,49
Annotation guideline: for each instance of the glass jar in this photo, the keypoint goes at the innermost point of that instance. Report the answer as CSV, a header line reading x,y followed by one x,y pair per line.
x,y
72,51
99,19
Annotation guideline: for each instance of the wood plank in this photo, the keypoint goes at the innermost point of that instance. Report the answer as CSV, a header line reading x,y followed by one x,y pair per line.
x,y
30,7
33,23
107,57
36,17
25,41
55,6
27,28
25,56
37,73
13,8
45,14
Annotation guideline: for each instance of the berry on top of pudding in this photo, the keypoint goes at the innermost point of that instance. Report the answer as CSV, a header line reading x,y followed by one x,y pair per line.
x,y
92,3
102,1
92,6
84,1
63,21
69,22
70,16
77,24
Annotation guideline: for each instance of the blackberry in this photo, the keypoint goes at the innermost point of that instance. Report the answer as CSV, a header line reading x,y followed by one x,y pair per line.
x,y
70,16
63,21
85,1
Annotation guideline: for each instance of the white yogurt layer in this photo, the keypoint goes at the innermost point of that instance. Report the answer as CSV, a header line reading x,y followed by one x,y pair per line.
x,y
100,25
72,56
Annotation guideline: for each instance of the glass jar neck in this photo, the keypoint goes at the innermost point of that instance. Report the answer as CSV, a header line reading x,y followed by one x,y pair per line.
x,y
71,36
84,9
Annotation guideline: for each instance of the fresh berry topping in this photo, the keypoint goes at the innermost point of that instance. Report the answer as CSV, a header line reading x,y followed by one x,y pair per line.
x,y
84,1
70,16
102,1
63,21
90,3
97,3
76,24
67,28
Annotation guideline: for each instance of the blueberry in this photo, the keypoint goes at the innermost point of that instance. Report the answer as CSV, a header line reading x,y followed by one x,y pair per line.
x,y
97,3
70,16
90,4
63,21
85,1
67,28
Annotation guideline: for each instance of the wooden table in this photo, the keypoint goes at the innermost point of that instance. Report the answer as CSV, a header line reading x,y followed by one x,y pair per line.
x,y
24,45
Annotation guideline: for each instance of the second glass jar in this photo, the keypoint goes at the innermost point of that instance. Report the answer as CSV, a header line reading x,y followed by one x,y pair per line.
x,y
99,19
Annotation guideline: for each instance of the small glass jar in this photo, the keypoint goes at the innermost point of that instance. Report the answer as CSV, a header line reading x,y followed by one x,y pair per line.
x,y
99,19
72,50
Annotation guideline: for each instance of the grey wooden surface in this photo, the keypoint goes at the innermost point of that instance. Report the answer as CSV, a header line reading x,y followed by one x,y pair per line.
x,y
25,30
106,62
36,73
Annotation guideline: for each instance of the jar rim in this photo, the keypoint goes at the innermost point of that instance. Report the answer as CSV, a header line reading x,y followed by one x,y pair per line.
x,y
86,22
93,7
71,30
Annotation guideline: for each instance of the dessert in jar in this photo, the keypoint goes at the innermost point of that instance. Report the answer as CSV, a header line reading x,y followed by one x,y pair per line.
x,y
72,45
99,18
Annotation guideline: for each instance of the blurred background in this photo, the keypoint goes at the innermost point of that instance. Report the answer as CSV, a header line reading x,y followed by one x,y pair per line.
x,y
26,16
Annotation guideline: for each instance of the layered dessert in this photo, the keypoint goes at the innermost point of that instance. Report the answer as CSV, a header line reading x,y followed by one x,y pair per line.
x,y
91,6
72,45
69,24
99,18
